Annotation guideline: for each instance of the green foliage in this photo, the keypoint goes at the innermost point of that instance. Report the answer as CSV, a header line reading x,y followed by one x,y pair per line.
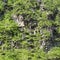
x,y
54,53
42,23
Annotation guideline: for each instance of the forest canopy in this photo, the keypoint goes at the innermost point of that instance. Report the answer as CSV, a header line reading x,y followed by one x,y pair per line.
x,y
29,29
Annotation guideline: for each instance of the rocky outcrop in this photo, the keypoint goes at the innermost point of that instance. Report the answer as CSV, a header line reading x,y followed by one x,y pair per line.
x,y
19,20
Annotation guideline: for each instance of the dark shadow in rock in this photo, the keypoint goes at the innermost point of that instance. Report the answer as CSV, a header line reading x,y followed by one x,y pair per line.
x,y
3,54
32,23
17,44
1,42
53,15
2,15
10,33
30,47
5,1
30,41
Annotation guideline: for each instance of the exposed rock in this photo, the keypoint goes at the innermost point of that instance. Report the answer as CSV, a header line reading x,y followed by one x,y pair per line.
x,y
19,20
42,7
5,1
2,14
39,1
11,43
42,44
1,43
23,36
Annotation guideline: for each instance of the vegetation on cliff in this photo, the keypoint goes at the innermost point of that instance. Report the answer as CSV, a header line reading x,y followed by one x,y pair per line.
x,y
29,29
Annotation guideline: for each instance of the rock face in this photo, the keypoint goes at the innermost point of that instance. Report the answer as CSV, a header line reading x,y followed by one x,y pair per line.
x,y
19,20
1,14
42,44
5,1
1,43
